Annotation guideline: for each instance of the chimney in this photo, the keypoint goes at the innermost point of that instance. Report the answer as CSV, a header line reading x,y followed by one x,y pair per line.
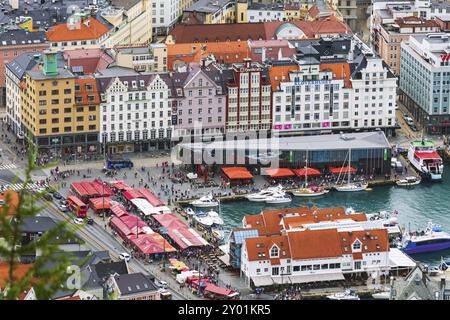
x,y
442,283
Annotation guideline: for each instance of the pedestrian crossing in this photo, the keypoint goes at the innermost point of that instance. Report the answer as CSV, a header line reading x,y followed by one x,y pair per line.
x,y
7,166
19,186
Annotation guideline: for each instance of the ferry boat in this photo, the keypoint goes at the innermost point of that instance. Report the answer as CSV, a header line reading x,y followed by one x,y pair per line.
x,y
432,239
408,182
205,202
264,194
349,294
278,197
423,156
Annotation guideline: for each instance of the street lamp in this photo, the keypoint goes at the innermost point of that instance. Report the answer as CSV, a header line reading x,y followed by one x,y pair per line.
x,y
163,231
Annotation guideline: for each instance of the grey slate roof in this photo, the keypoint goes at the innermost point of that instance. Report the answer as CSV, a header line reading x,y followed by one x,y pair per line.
x,y
134,283
126,4
21,37
207,6
26,61
37,224
104,270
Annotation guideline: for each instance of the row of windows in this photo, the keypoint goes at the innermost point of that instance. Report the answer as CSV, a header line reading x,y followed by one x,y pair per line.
x,y
68,129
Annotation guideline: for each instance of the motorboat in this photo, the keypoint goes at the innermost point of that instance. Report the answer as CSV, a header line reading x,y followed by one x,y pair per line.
x,y
189,211
262,195
204,219
309,192
352,187
278,197
217,220
205,202
383,295
348,294
408,181
425,159
432,239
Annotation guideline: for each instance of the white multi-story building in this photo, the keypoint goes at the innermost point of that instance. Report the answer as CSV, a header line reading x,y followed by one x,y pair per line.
x,y
134,112
344,92
260,12
165,13
314,256
14,72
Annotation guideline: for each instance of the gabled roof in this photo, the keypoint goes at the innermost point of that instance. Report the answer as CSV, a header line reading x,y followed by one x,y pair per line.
x,y
134,283
279,74
26,61
104,270
259,248
88,29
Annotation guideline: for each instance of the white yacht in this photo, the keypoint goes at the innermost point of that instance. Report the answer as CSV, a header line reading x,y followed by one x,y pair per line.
x,y
262,195
205,202
351,186
217,220
349,294
383,295
278,197
204,219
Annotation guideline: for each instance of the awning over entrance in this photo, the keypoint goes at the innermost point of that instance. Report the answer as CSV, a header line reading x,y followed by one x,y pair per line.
x,y
235,173
316,277
307,171
340,170
398,259
278,172
262,281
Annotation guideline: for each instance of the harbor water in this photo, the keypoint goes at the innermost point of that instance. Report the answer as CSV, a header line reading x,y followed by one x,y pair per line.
x,y
416,206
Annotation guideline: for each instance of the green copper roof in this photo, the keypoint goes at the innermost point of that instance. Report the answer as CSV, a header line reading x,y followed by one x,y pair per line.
x,y
421,143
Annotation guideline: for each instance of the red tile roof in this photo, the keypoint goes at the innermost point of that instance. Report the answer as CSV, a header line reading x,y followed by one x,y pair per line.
x,y
340,71
88,29
19,272
315,244
279,74
259,248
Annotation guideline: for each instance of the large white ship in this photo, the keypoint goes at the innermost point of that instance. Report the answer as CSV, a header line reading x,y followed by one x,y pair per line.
x,y
423,156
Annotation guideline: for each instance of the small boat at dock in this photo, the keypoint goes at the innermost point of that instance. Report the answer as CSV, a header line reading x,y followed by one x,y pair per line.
x,y
205,202
408,182
262,195
278,198
189,211
309,192
203,219
218,234
349,294
383,295
216,219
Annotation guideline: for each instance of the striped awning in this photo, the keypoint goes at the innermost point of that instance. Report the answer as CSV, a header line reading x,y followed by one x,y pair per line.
x,y
316,277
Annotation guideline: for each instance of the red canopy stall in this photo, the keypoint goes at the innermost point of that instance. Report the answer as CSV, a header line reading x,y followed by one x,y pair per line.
x,y
237,174
276,173
311,172
342,170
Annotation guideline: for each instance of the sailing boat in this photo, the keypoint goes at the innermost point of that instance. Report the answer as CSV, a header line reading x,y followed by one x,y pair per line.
x,y
308,191
351,186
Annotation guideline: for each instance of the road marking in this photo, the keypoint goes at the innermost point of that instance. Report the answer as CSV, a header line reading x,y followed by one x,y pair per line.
x,y
19,186
7,166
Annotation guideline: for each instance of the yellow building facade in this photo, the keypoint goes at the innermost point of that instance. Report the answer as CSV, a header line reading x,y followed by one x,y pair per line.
x,y
58,112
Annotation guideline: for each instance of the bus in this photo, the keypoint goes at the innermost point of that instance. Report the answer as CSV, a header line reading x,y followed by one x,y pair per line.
x,y
77,206
119,163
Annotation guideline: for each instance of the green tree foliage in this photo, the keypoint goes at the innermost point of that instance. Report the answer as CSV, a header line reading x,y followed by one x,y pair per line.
x,y
48,273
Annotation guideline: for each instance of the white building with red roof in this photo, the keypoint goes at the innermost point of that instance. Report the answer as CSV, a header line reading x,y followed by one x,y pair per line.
x,y
314,255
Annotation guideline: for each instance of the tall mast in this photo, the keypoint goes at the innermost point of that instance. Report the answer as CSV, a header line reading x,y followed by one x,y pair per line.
x,y
306,173
349,163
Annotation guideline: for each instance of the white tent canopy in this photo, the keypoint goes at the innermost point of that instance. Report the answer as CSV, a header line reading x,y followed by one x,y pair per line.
x,y
398,259
145,207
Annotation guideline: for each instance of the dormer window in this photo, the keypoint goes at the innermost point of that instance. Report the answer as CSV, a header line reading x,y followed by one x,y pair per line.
x,y
141,83
274,252
134,84
356,245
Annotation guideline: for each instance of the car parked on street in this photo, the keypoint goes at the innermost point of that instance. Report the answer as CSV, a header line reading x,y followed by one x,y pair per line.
x,y
124,256
90,221
57,196
78,220
63,208
48,197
